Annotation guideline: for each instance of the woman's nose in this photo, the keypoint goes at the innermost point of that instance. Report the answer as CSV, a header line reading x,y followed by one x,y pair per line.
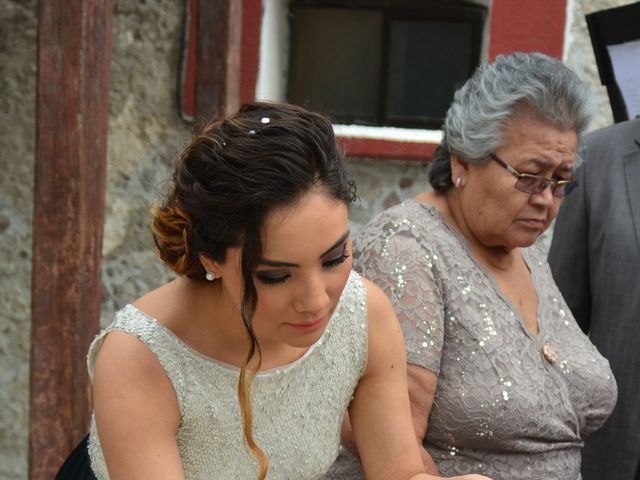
x,y
312,297
545,197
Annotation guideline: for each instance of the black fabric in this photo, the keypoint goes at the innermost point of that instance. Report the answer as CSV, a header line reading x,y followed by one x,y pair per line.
x,y
77,466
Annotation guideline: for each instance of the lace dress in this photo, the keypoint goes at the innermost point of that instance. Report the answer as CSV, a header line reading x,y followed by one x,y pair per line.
x,y
508,404
298,408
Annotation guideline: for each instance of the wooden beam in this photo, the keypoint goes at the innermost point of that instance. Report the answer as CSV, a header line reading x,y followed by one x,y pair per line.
x,y
219,37
74,59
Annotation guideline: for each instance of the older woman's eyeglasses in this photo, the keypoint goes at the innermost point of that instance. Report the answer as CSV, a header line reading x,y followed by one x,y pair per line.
x,y
535,184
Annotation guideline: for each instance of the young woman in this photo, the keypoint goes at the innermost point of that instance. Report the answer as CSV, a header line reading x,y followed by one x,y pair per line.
x,y
244,365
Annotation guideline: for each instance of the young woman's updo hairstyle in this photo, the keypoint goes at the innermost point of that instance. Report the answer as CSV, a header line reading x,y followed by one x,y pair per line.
x,y
236,171
229,178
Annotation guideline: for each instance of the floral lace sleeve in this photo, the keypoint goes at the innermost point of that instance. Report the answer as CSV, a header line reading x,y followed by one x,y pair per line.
x,y
391,252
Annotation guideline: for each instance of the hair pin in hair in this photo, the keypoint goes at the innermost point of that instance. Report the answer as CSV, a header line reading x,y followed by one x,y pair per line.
x,y
252,132
265,120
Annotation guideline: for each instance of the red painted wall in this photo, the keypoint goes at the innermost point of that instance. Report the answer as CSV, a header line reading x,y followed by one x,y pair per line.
x,y
527,26
250,60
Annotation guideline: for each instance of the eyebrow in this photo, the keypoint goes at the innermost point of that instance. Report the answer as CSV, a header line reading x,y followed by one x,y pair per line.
x,y
533,161
276,263
568,168
542,164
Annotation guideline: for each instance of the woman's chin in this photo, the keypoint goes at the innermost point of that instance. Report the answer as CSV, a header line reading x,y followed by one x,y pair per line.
x,y
521,241
528,241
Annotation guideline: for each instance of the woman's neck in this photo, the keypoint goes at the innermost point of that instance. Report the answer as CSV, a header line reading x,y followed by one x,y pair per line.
x,y
218,326
492,257
206,321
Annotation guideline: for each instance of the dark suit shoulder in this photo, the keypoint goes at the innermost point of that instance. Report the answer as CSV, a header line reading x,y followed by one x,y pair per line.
x,y
620,137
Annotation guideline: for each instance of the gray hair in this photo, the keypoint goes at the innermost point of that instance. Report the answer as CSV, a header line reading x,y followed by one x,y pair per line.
x,y
529,83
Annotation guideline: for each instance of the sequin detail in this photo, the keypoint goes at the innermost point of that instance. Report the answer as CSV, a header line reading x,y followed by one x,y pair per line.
x,y
298,408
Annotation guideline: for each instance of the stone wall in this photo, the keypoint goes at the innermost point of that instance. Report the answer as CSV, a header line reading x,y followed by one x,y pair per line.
x,y
17,113
145,133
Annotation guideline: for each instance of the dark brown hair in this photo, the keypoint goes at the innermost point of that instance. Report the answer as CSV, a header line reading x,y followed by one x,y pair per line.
x,y
225,183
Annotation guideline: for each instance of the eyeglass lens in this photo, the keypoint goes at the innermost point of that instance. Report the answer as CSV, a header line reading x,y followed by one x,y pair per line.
x,y
532,184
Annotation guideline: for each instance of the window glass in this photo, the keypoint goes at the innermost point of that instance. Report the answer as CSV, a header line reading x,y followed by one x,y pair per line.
x,y
428,62
335,62
373,62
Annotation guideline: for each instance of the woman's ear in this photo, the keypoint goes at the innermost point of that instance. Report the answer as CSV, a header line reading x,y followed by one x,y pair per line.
x,y
459,171
210,266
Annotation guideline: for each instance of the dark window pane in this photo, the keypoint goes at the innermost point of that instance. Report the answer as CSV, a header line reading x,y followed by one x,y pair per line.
x,y
382,63
428,62
335,62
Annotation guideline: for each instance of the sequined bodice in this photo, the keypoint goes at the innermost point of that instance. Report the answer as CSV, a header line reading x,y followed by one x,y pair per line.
x,y
502,408
298,408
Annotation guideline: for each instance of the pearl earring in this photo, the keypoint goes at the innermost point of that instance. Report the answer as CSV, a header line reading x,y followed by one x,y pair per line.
x,y
458,182
210,276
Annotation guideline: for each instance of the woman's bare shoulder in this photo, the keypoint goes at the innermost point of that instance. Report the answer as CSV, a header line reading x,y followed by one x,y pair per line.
x,y
379,308
135,406
157,302
124,357
385,335
126,372
168,304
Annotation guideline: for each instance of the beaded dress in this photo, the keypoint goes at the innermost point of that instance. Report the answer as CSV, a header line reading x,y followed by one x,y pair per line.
x,y
509,404
297,408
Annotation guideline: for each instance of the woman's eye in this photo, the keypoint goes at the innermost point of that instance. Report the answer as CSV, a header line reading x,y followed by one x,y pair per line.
x,y
272,279
337,260
560,178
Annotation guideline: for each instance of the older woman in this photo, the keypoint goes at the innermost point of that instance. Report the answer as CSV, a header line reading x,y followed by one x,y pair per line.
x,y
502,380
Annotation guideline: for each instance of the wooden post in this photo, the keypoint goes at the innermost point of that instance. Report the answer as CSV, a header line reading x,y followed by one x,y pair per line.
x,y
74,59
219,37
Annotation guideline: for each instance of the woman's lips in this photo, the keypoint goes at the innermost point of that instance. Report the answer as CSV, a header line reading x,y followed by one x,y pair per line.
x,y
308,325
533,222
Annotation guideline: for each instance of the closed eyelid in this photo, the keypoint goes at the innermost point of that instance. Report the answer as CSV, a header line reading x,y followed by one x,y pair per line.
x,y
558,175
568,171
342,242
272,273
336,252
276,263
273,277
